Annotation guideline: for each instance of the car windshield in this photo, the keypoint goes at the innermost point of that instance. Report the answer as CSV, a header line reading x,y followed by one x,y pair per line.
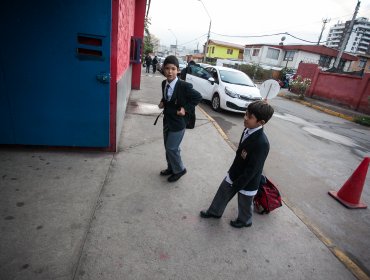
x,y
237,78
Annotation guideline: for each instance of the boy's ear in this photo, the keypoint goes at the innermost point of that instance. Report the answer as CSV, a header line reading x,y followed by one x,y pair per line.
x,y
262,122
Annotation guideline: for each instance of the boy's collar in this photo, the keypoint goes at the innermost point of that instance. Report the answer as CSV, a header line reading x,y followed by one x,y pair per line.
x,y
172,83
251,130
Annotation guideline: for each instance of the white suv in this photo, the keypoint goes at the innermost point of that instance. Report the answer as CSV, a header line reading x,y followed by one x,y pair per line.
x,y
226,88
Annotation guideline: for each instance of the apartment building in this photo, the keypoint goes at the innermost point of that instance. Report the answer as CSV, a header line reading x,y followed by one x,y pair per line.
x,y
359,39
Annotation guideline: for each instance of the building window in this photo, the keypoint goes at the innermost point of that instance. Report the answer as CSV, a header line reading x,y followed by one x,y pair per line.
x,y
229,51
213,49
324,61
289,55
273,53
256,52
362,63
247,51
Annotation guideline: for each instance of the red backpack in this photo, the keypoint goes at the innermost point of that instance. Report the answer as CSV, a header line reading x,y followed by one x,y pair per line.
x,y
267,198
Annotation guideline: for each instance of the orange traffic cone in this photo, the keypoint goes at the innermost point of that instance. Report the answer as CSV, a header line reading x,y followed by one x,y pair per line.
x,y
349,195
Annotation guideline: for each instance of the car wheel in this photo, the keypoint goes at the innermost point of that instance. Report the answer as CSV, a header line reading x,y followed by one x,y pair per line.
x,y
216,102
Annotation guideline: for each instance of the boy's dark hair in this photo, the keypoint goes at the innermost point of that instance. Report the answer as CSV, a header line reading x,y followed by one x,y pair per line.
x,y
261,110
171,59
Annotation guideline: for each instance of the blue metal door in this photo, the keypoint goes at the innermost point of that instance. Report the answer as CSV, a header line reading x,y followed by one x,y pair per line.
x,y
54,72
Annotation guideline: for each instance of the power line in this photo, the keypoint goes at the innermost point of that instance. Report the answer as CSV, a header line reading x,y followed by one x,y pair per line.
x,y
250,36
183,44
266,35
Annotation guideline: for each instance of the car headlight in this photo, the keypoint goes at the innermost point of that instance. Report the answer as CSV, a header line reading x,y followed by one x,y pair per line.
x,y
231,93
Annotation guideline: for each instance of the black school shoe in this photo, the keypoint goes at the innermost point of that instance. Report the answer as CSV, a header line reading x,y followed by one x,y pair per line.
x,y
175,177
239,224
166,172
206,215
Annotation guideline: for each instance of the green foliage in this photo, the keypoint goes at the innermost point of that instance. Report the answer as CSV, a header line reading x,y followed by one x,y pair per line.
x,y
300,85
285,71
364,120
148,45
254,71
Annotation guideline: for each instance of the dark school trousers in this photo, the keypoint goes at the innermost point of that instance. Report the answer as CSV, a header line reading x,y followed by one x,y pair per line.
x,y
224,194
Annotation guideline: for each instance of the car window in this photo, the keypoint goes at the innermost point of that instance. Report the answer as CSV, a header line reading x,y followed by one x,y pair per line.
x,y
213,73
200,72
237,78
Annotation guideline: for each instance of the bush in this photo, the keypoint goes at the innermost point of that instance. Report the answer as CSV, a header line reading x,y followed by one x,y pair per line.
x,y
364,120
300,85
285,71
254,71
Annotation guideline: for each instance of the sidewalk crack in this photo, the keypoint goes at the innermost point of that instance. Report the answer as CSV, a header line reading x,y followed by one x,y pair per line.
x,y
96,206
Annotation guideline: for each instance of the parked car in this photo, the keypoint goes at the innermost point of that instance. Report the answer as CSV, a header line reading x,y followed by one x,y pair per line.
x,y
226,88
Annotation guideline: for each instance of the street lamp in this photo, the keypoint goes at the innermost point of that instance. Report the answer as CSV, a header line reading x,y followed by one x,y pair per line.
x,y
205,52
176,41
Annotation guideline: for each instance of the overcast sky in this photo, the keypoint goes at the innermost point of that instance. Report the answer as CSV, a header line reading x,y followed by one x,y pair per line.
x,y
188,20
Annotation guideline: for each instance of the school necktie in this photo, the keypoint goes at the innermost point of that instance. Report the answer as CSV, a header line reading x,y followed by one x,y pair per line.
x,y
246,134
167,87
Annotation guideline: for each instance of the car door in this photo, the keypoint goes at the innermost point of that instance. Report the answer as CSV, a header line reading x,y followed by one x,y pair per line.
x,y
198,77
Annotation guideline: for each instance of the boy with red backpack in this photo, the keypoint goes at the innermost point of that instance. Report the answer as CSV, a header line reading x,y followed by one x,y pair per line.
x,y
244,175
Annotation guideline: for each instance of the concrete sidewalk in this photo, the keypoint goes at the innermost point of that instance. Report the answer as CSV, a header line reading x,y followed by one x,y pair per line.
x,y
86,215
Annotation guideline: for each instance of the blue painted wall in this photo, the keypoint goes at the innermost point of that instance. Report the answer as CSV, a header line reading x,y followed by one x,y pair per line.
x,y
49,91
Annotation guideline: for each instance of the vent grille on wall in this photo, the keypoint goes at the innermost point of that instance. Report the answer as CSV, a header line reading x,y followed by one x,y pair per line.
x,y
89,47
135,49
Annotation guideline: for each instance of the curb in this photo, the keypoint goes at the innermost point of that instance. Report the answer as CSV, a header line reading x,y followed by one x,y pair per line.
x,y
219,129
319,108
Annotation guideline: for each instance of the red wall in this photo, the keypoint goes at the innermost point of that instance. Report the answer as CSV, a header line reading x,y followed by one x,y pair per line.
x,y
364,102
127,21
341,88
138,32
307,70
348,90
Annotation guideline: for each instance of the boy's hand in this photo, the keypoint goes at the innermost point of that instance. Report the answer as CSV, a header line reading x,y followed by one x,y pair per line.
x,y
161,105
181,112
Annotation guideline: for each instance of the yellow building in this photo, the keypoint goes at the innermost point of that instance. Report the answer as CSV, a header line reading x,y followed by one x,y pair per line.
x,y
219,49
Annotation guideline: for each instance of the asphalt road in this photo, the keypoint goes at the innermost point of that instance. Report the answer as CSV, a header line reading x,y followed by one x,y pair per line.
x,y
311,154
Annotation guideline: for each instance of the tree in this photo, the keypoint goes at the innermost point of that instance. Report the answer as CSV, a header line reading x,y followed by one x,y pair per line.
x,y
148,45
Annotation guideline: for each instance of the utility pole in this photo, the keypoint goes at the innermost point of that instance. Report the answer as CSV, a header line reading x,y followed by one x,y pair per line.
x,y
324,22
346,36
176,41
205,51
206,46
